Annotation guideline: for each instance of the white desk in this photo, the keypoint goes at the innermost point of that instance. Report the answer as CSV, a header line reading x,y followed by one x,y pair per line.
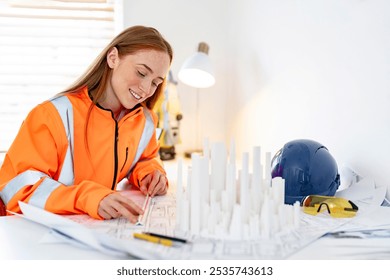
x,y
20,239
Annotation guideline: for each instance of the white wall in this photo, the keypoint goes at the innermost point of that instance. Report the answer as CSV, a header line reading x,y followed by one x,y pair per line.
x,y
287,69
318,70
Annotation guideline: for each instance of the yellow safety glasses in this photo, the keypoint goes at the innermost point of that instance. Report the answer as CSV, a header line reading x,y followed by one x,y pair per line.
x,y
337,207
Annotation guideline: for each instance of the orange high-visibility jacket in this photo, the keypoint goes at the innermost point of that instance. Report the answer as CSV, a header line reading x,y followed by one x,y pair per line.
x,y
55,164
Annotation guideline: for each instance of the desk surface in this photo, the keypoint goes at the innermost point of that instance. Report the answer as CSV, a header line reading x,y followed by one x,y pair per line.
x,y
21,239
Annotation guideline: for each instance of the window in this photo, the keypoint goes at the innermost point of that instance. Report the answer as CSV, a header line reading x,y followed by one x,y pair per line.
x,y
44,47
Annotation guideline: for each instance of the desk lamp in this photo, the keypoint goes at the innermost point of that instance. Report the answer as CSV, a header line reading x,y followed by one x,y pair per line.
x,y
197,71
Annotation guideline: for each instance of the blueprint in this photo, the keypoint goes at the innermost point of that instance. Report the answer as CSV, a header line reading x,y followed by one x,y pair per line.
x,y
160,218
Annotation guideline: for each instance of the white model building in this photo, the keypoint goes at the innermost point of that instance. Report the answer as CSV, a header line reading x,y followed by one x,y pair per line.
x,y
223,200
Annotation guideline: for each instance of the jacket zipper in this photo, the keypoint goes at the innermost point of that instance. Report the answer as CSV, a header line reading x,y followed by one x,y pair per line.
x,y
115,153
127,152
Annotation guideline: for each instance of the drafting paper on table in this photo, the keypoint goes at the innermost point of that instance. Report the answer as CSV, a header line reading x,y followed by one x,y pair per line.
x,y
116,236
120,228
86,236
161,218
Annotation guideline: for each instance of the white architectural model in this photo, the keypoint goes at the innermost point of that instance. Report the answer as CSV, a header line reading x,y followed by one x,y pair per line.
x,y
228,201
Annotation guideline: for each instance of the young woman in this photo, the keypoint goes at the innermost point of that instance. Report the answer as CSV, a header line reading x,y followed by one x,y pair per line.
x,y
71,151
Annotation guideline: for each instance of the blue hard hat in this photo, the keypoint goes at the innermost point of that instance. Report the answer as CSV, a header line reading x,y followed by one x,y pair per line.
x,y
307,168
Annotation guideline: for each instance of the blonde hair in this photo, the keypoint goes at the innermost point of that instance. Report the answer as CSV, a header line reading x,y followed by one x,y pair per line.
x,y
129,41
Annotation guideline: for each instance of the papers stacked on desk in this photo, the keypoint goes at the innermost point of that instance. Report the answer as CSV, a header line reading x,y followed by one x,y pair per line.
x,y
115,237
80,235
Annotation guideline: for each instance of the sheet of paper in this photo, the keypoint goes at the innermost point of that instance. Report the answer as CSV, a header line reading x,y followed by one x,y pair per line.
x,y
370,217
77,232
364,191
120,228
359,244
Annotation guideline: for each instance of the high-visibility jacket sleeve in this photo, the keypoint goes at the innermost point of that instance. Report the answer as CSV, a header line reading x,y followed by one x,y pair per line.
x,y
32,166
149,160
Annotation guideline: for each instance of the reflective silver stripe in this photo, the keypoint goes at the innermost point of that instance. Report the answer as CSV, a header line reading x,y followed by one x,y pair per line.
x,y
65,110
42,193
145,138
28,177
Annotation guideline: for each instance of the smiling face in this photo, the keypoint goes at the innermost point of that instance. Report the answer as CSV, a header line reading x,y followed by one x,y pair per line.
x,y
135,77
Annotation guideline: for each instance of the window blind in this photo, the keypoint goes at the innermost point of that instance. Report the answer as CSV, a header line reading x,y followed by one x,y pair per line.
x,y
44,47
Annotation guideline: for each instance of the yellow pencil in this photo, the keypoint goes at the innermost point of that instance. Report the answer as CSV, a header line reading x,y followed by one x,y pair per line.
x,y
158,240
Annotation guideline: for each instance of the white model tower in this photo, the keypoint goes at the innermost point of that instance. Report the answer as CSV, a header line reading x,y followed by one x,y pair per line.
x,y
225,200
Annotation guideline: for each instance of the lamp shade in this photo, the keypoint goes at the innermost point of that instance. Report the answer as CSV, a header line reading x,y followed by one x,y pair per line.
x,y
197,71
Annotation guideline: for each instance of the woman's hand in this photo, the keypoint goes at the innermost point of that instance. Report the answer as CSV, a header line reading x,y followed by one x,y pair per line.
x,y
116,205
155,183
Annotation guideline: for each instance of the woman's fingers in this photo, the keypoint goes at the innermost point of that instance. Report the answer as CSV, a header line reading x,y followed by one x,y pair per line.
x,y
115,205
155,183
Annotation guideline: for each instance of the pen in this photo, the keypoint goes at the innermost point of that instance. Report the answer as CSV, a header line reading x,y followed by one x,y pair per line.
x,y
167,237
153,239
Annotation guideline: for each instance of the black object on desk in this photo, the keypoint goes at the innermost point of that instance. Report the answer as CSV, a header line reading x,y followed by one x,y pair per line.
x,y
177,239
